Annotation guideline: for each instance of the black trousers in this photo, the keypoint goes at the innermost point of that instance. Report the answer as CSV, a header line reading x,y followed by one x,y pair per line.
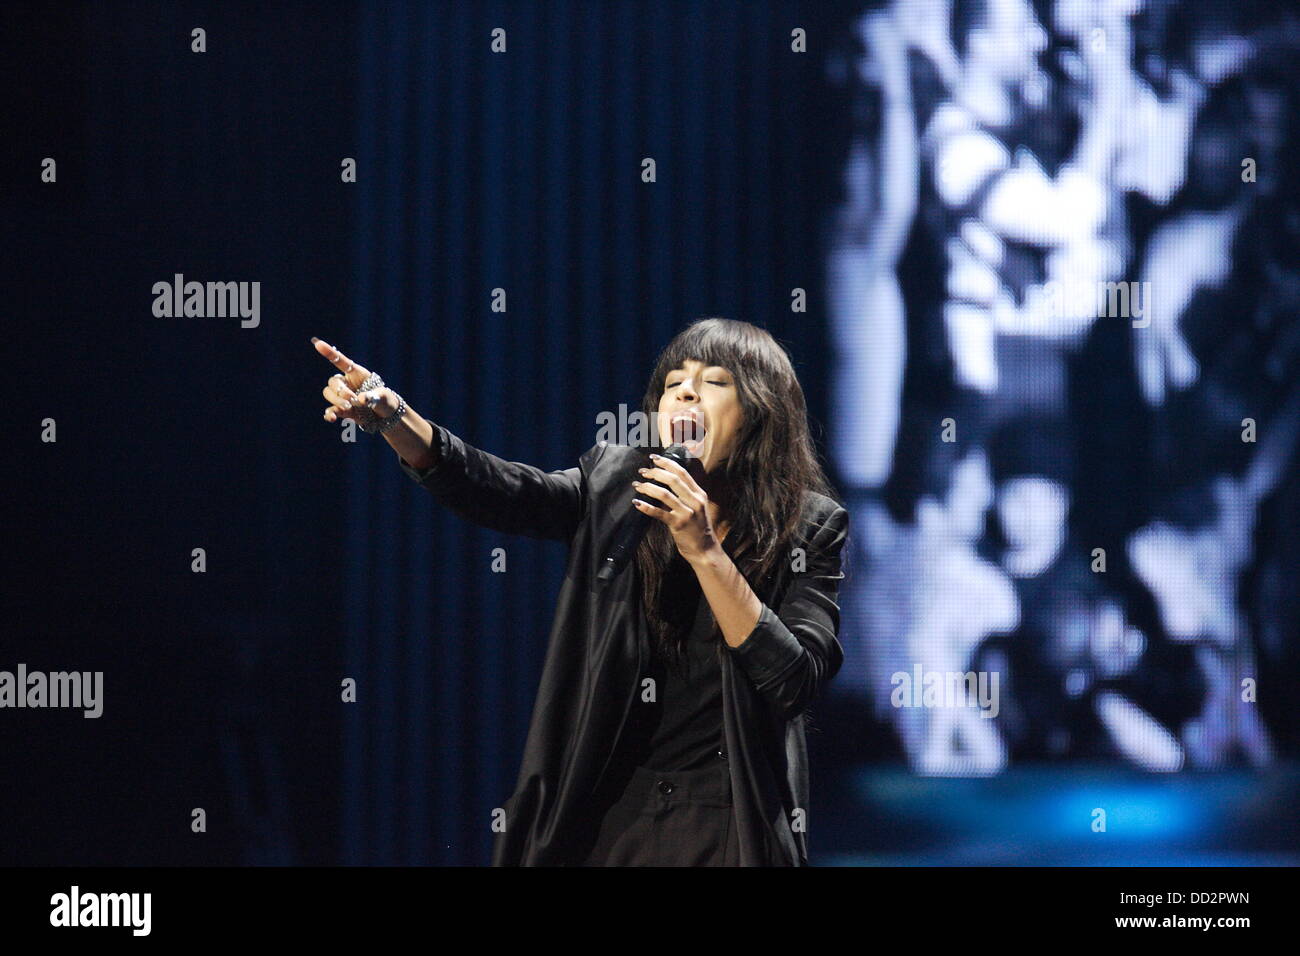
x,y
669,818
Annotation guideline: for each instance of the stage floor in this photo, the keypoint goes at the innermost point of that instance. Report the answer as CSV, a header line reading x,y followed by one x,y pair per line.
x,y
1044,816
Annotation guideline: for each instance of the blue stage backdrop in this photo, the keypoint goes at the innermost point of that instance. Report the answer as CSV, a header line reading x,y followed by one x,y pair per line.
x,y
523,172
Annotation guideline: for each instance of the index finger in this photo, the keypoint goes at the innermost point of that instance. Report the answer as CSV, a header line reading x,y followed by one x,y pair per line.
x,y
333,355
675,470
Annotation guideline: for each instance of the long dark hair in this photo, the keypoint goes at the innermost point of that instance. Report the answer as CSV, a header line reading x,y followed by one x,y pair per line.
x,y
772,465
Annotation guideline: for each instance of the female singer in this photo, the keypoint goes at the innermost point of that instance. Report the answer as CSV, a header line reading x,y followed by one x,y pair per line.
x,y
669,723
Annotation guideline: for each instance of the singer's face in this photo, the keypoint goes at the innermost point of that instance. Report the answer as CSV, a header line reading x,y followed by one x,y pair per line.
x,y
700,408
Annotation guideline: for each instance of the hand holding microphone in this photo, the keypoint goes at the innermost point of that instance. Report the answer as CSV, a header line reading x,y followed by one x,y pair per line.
x,y
684,511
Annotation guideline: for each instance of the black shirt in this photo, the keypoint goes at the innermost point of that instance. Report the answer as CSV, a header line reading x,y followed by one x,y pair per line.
x,y
681,727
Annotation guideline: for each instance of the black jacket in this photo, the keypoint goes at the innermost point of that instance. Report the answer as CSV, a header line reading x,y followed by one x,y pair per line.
x,y
600,639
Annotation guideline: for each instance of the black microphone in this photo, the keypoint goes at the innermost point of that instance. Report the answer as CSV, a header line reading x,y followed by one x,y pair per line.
x,y
633,527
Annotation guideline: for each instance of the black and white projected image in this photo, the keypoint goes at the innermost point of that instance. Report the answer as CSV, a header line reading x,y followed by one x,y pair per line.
x,y
1064,280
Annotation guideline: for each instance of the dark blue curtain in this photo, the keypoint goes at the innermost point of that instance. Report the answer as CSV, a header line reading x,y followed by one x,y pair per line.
x,y
521,171
477,171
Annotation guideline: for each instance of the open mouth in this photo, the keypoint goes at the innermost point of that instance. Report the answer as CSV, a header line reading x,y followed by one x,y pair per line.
x,y
689,431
